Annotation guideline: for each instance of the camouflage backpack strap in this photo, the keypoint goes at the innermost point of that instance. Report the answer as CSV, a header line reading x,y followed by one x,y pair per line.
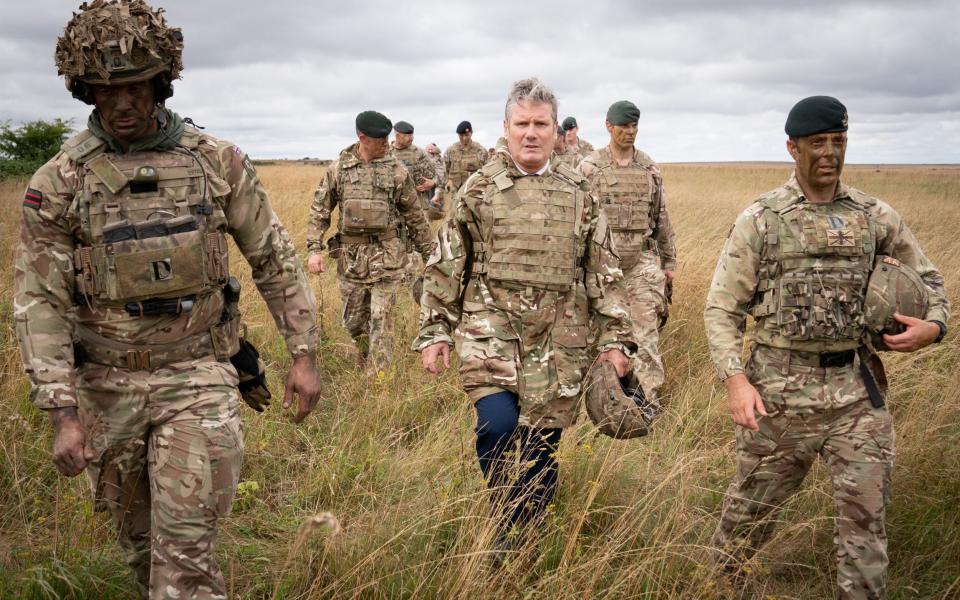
x,y
497,173
82,146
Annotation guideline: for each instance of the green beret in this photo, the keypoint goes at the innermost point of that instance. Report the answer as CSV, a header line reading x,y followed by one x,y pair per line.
x,y
623,112
816,114
373,124
464,127
403,127
569,123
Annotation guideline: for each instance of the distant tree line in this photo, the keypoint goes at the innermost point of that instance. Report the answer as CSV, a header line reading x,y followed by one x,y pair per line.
x,y
24,149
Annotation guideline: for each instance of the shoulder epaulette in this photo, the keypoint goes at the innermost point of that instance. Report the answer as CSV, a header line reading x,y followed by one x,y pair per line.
x,y
776,200
862,198
190,138
82,146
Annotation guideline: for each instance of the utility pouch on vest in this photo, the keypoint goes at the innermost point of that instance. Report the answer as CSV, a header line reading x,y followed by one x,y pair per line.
x,y
365,216
154,267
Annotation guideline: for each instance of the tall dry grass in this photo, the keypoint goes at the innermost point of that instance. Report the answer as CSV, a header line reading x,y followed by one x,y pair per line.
x,y
393,460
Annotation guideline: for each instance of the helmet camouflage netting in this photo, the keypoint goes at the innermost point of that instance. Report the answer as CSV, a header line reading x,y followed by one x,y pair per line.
x,y
118,41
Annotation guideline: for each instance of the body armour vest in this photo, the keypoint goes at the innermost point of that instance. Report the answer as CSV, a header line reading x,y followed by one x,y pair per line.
x,y
465,162
151,223
627,195
813,273
535,236
366,197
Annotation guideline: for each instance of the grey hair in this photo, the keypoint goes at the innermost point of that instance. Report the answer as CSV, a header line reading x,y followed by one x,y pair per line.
x,y
531,90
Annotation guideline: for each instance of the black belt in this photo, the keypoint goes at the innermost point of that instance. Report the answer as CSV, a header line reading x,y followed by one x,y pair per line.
x,y
823,360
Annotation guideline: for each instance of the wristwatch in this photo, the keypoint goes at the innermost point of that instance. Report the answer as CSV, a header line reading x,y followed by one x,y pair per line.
x,y
943,331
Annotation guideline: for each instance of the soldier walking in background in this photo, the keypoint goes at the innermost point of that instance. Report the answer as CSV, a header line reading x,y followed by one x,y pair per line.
x,y
574,142
125,310
798,260
564,154
421,167
433,151
630,188
377,197
462,159
519,302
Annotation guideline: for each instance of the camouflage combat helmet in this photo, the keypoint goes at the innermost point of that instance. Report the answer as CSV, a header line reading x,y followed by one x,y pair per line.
x,y
117,42
893,287
617,413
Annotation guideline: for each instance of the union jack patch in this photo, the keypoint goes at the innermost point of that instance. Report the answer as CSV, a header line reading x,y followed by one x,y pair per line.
x,y
839,238
33,198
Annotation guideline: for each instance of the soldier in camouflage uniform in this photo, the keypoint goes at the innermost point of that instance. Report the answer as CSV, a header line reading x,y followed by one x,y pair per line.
x,y
462,159
565,155
377,197
798,260
422,168
124,327
630,189
433,151
520,270
574,142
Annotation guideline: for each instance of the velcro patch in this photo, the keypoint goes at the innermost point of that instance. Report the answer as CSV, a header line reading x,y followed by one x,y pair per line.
x,y
33,198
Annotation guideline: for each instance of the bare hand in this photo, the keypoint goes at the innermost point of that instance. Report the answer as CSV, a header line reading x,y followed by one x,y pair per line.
x,y
70,451
744,400
669,276
617,358
430,354
302,380
919,333
426,184
315,263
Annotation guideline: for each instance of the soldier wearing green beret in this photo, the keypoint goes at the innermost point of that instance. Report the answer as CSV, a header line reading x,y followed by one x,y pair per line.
x,y
573,142
377,197
630,188
798,260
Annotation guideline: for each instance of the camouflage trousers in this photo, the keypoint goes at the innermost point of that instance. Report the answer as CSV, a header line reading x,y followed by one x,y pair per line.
x,y
644,291
168,447
813,411
368,318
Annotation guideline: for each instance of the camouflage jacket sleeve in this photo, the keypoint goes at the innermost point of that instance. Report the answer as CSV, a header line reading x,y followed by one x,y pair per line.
x,y
446,164
895,239
443,276
411,212
267,247
44,286
731,292
324,201
663,229
426,168
601,270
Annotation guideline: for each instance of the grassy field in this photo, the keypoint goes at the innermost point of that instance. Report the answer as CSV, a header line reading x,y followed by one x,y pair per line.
x,y
392,460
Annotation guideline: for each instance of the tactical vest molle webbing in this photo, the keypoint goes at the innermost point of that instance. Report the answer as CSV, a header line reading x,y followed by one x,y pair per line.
x,y
151,223
465,162
535,239
367,194
814,269
628,195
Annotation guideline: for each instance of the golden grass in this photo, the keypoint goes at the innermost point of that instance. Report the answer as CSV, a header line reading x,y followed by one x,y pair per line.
x,y
392,459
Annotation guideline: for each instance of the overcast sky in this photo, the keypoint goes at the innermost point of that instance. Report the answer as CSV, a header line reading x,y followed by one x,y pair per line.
x,y
713,80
